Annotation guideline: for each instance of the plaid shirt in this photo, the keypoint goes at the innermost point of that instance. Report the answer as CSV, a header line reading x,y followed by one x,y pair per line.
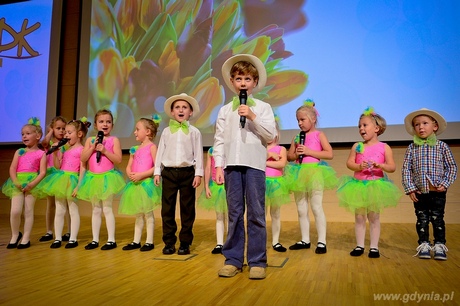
x,y
425,165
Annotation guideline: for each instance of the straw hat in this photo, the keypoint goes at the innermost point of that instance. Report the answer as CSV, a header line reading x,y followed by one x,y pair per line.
x,y
255,61
425,111
184,97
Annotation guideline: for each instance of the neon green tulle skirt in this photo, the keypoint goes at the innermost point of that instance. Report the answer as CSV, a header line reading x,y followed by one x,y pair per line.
x,y
310,176
368,195
100,186
218,200
140,197
10,190
277,191
60,184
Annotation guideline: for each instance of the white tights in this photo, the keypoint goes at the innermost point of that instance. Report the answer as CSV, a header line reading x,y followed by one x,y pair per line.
x,y
17,203
374,229
316,203
61,212
139,226
275,214
221,219
96,219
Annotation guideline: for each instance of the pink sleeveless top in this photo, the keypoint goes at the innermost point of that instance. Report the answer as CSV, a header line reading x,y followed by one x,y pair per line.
x,y
313,143
374,153
142,159
105,163
272,172
30,161
71,159
213,164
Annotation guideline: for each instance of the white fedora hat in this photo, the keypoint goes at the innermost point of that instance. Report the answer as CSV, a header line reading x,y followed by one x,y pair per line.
x,y
442,124
184,97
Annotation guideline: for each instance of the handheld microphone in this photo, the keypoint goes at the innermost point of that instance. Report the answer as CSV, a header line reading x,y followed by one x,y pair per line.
x,y
100,136
243,99
302,142
61,142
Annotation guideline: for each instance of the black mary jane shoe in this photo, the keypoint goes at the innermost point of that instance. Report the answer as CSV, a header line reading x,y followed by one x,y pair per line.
x,y
46,237
23,246
56,244
132,246
217,249
358,251
279,247
71,244
300,245
374,253
14,245
92,245
66,237
321,248
147,247
109,245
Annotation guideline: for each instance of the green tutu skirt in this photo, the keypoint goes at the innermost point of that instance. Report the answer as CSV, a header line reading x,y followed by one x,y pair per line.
x,y
310,176
218,200
276,191
140,197
24,178
101,186
368,195
60,184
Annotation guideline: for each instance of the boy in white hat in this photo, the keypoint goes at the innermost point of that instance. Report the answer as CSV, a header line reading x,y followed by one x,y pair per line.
x,y
179,162
428,170
240,151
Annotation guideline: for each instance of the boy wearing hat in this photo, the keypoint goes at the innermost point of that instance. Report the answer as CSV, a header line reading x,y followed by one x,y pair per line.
x,y
240,150
428,170
179,162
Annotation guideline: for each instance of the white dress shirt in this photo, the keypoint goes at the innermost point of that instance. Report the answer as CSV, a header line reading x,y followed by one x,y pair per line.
x,y
180,150
236,146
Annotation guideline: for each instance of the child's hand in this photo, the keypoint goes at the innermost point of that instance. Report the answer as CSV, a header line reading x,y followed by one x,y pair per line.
x,y
27,188
74,192
196,181
156,180
100,148
208,192
413,196
135,177
273,156
365,165
244,110
219,176
440,188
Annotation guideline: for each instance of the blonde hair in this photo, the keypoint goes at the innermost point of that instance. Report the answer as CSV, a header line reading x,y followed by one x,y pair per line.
x,y
150,125
378,120
310,111
80,126
34,123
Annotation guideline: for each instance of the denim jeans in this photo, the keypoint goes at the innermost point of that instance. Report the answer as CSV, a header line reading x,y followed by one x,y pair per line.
x,y
430,208
245,188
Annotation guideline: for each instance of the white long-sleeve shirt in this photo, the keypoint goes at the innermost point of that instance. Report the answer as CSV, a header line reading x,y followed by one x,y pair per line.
x,y
235,146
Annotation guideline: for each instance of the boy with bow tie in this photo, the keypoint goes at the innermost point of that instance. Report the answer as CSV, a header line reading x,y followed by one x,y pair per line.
x,y
179,162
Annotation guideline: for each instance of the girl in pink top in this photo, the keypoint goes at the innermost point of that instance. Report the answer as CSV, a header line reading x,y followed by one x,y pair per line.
x,y
27,169
369,190
64,183
141,196
102,181
309,176
56,131
213,197
277,191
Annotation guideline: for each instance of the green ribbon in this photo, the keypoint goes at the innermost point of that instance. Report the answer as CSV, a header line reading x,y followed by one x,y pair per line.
x,y
236,102
176,125
430,140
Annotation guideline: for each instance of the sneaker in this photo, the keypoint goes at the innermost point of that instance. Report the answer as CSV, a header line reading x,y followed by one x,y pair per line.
x,y
279,247
46,237
92,245
257,273
131,246
440,250
217,249
66,237
147,247
358,251
71,244
228,271
300,245
321,248
56,244
423,251
109,245
374,253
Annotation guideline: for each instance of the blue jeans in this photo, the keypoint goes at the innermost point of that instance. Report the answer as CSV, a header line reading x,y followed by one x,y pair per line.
x,y
430,208
245,187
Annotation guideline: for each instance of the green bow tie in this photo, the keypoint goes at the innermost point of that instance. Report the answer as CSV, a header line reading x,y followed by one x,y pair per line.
x,y
175,126
236,102
430,140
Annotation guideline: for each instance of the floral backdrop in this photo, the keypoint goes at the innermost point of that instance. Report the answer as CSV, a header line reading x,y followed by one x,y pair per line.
x,y
144,51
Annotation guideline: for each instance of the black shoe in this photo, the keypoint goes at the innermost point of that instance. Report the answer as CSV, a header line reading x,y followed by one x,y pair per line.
x,y
46,237
358,251
14,245
131,246
169,249
72,244
279,247
217,249
24,246
66,237
92,245
184,249
321,248
109,246
300,245
374,253
147,247
56,244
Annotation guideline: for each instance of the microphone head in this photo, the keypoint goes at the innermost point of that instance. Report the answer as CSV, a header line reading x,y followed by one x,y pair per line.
x,y
100,136
243,93
63,141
